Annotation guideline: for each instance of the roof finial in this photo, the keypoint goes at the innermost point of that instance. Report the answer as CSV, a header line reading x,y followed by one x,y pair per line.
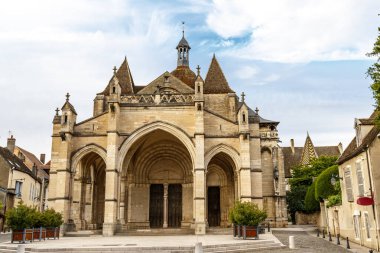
x,y
67,97
198,70
257,110
56,111
183,28
114,70
242,97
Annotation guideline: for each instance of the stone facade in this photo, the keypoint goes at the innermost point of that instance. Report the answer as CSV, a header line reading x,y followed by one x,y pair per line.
x,y
177,152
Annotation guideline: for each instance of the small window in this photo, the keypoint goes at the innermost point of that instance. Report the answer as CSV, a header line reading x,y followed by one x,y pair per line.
x,y
113,89
367,225
357,226
199,88
18,188
348,185
244,117
359,176
65,120
199,107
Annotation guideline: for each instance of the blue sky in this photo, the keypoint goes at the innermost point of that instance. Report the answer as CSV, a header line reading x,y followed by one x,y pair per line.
x,y
301,63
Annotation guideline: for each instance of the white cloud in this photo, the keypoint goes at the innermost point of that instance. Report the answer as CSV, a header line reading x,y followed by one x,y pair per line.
x,y
294,31
246,72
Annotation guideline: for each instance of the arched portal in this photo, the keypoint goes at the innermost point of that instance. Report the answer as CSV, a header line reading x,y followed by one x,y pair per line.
x,y
89,191
221,190
156,183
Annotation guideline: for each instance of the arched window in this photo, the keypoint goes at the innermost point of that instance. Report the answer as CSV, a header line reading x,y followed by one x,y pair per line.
x,y
243,117
199,107
65,119
113,89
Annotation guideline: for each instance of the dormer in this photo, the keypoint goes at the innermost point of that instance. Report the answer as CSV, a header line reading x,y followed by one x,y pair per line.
x,y
362,128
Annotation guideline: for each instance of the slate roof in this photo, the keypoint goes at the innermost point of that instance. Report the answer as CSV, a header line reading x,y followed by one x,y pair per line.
x,y
15,162
183,43
68,105
124,76
352,149
215,82
252,114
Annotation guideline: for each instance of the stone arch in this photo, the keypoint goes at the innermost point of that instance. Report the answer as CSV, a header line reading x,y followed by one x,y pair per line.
x,y
222,148
266,148
158,125
80,153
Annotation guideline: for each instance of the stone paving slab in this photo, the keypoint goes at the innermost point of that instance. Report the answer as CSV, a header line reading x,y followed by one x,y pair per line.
x,y
146,243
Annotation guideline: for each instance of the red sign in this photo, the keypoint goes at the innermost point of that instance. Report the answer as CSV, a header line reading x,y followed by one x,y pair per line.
x,y
364,201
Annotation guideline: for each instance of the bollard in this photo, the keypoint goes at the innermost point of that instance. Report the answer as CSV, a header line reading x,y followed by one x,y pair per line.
x,y
20,248
337,239
198,248
348,243
268,227
318,233
370,251
323,234
291,242
330,239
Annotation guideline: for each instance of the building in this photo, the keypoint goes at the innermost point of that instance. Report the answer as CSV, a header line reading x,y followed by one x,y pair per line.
x,y
177,152
295,156
17,183
358,216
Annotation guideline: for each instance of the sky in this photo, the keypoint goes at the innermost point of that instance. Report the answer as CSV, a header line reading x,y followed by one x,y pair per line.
x,y
302,63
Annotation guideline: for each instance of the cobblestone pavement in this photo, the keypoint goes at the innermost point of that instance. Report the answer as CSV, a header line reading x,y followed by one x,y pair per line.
x,y
305,243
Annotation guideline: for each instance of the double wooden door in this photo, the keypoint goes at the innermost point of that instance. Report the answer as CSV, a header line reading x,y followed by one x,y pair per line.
x,y
174,204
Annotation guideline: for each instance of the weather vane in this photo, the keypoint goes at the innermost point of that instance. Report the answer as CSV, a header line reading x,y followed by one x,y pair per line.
x,y
183,28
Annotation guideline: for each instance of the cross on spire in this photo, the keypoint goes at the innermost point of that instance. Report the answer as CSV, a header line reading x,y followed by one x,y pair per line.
x,y
56,111
198,70
67,97
242,97
257,110
114,70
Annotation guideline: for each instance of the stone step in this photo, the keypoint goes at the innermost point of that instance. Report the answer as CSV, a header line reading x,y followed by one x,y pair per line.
x,y
83,233
159,231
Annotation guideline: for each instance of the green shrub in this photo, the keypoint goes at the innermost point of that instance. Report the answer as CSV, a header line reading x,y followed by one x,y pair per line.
x,y
334,200
323,186
311,204
246,213
51,218
21,217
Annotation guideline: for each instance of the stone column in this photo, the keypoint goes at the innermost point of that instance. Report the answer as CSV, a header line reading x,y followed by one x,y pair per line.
x,y
245,169
122,201
199,187
166,205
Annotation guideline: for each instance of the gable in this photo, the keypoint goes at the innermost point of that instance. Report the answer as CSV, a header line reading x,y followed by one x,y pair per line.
x,y
166,83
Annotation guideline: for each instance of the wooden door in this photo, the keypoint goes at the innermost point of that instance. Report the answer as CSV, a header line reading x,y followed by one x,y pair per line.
x,y
156,206
213,206
175,205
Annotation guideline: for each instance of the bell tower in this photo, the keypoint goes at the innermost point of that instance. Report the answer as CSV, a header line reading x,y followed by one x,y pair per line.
x,y
183,49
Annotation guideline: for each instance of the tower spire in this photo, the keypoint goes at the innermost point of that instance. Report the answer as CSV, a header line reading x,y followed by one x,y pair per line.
x,y
183,49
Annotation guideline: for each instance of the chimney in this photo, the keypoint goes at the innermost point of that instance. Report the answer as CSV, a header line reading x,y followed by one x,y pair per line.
x,y
42,158
340,147
11,144
292,145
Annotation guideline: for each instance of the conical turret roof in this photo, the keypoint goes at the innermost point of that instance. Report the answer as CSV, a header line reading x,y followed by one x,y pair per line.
x,y
308,152
215,81
124,76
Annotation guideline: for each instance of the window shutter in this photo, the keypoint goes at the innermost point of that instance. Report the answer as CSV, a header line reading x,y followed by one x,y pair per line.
x,y
359,175
348,183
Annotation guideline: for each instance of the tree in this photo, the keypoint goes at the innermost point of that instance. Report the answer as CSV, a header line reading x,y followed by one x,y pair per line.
x,y
374,73
302,178
311,204
323,186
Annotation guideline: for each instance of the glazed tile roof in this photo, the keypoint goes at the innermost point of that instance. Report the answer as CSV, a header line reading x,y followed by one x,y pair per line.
x,y
186,75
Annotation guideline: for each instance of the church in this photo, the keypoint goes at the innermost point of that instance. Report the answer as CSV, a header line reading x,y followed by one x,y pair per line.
x,y
177,152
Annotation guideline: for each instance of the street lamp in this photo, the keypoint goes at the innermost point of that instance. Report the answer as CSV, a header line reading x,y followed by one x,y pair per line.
x,y
334,178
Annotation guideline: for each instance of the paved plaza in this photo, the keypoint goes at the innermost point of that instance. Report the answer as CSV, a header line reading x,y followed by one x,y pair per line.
x,y
277,241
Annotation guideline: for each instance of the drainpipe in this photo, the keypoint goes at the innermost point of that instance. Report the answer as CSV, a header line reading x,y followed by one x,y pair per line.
x,y
371,190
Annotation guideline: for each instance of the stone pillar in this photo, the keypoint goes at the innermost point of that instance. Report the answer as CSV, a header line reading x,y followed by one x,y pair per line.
x,y
166,205
110,208
245,170
122,202
199,187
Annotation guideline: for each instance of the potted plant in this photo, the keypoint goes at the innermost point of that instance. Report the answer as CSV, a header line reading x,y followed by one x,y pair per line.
x,y
245,217
52,220
21,220
39,232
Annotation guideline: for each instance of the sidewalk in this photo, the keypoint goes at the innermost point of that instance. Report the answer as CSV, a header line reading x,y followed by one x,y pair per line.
x,y
312,230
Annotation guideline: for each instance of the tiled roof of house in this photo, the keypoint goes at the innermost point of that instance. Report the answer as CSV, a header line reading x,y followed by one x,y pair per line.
x,y
32,158
15,162
215,82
